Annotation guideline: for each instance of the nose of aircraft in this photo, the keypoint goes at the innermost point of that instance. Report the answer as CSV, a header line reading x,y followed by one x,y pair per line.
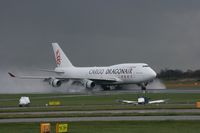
x,y
153,73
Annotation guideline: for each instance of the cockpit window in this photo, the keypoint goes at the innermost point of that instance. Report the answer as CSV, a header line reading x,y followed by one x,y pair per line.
x,y
145,66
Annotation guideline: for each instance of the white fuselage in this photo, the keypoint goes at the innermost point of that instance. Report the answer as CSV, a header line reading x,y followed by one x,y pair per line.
x,y
129,73
133,73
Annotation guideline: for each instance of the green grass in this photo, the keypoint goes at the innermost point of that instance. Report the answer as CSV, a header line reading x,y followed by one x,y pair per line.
x,y
41,100
100,102
187,83
95,102
110,127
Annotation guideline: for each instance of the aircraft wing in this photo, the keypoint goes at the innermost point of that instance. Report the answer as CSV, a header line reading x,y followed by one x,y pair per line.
x,y
52,71
45,78
96,80
128,102
27,77
157,101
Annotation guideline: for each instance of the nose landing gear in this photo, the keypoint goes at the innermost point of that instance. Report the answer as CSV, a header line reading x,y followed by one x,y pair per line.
x,y
143,87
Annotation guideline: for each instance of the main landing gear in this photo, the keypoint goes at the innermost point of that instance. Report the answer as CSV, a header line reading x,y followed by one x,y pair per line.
x,y
143,87
110,87
106,87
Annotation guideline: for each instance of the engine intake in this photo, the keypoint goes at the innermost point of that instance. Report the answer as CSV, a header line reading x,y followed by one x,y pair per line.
x,y
89,84
55,82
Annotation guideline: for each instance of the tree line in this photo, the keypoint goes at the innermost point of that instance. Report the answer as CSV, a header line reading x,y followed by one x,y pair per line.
x,y
178,74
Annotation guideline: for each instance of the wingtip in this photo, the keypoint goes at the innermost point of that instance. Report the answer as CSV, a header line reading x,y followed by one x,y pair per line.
x,y
11,75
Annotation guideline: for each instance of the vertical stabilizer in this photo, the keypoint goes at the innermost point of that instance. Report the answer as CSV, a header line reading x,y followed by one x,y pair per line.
x,y
60,57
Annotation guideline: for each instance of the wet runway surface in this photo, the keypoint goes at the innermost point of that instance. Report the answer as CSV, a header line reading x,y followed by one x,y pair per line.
x,y
108,111
114,118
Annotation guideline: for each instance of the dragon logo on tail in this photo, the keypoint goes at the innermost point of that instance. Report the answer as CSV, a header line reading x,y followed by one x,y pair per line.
x,y
58,57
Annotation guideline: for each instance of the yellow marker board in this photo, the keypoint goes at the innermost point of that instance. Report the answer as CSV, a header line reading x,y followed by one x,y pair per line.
x,y
54,103
45,128
61,128
197,104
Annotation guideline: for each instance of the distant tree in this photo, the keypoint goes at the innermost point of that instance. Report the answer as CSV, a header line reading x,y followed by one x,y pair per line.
x,y
171,74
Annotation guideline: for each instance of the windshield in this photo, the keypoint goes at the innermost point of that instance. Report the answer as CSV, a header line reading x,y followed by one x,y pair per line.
x,y
145,66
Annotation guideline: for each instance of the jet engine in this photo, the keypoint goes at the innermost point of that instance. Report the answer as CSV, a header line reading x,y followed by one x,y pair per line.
x,y
55,82
89,84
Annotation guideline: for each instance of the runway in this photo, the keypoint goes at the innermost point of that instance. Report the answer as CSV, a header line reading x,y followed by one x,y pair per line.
x,y
107,111
118,118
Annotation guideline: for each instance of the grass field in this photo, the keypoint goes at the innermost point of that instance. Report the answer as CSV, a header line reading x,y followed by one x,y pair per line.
x,y
171,84
99,102
8,100
111,127
95,102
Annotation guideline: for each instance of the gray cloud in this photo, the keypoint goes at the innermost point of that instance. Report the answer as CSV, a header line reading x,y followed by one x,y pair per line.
x,y
164,34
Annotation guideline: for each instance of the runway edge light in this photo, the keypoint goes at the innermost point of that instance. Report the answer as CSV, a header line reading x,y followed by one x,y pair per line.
x,y
61,128
45,128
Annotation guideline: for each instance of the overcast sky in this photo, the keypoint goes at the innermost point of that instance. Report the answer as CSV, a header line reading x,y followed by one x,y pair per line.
x,y
164,34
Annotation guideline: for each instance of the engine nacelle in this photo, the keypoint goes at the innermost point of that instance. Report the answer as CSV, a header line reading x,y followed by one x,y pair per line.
x,y
55,82
89,84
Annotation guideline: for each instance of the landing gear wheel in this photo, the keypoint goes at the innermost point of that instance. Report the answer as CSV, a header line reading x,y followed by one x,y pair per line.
x,y
144,89
106,88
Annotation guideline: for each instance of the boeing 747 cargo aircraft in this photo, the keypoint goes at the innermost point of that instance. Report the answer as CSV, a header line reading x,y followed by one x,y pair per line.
x,y
107,77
